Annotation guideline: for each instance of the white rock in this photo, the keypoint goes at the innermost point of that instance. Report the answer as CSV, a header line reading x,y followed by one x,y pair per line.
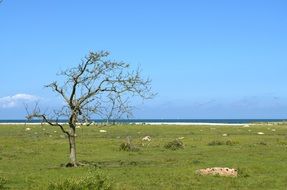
x,y
103,131
273,129
260,133
224,135
78,127
55,131
221,171
27,129
246,126
146,138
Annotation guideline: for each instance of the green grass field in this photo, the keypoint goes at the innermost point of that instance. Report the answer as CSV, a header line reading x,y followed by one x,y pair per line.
x,y
32,159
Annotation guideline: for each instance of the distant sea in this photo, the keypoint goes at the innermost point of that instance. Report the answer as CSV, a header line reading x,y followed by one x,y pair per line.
x,y
228,121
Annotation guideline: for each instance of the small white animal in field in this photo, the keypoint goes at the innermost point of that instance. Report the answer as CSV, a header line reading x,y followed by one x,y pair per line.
x,y
103,131
260,133
224,135
146,138
28,129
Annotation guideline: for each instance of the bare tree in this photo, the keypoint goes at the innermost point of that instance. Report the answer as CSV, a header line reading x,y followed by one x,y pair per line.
x,y
96,85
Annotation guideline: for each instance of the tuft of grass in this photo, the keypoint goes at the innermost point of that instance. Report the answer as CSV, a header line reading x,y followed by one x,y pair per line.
x,y
217,143
243,172
128,146
3,182
93,181
174,145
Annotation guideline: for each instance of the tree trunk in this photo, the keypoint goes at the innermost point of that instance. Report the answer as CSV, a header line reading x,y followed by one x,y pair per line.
x,y
72,143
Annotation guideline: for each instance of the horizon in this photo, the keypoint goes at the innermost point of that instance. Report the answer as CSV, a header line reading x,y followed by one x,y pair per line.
x,y
206,59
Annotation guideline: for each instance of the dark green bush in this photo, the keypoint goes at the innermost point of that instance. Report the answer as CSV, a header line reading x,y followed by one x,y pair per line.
x,y
93,181
174,145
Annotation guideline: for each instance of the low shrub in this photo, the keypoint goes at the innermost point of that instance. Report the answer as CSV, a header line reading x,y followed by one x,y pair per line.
x,y
3,182
243,172
215,143
93,181
228,142
174,145
262,143
128,146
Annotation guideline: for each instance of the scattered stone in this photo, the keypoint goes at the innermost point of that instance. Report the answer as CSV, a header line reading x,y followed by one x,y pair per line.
x,y
246,126
146,138
224,135
103,131
28,129
227,172
55,131
260,133
273,129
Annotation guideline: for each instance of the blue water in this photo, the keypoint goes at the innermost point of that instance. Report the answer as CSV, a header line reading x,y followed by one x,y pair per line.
x,y
231,121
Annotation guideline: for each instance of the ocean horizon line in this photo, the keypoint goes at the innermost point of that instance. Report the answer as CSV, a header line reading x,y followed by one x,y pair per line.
x,y
228,121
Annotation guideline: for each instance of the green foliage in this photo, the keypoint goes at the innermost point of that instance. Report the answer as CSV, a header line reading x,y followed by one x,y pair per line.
x,y
128,146
217,143
93,181
174,145
243,172
3,182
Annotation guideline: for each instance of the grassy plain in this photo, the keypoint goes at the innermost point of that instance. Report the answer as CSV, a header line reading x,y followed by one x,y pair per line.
x,y
32,159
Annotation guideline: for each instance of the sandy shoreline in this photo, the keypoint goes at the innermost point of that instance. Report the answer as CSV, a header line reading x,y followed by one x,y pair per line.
x,y
151,123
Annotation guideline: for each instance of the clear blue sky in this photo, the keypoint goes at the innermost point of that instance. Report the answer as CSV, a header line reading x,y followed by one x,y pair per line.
x,y
207,59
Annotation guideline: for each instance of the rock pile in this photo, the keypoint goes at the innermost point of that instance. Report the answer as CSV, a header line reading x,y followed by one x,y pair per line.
x,y
227,172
